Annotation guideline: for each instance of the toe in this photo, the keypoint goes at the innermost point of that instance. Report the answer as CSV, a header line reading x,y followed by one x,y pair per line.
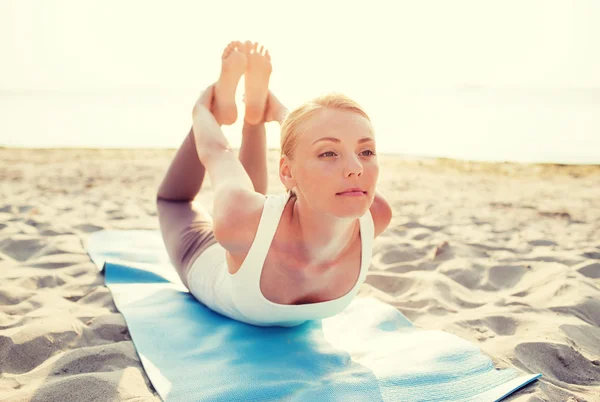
x,y
228,49
254,47
268,55
248,46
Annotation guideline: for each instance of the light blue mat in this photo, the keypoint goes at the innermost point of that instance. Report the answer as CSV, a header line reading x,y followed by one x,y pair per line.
x,y
369,352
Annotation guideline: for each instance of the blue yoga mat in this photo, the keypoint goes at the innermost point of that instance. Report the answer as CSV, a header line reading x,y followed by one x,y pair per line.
x,y
369,352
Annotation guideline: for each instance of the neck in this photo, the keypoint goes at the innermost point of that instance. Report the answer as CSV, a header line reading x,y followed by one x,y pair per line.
x,y
322,237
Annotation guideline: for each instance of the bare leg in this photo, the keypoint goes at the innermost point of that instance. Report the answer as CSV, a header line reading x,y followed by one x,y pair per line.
x,y
185,225
253,152
253,155
185,174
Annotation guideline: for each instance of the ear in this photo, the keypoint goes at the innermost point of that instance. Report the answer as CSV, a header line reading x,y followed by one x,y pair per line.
x,y
286,173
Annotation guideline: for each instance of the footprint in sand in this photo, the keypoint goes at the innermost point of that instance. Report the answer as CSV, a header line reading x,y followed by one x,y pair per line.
x,y
591,270
500,325
257,76
22,247
585,337
588,310
558,363
233,65
506,276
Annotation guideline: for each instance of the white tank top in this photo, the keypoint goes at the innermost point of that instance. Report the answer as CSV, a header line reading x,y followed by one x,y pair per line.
x,y
247,296
239,296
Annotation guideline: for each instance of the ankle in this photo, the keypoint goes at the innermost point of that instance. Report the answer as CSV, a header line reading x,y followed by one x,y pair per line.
x,y
250,127
282,116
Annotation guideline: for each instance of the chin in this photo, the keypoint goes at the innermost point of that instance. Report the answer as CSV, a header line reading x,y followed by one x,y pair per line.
x,y
351,211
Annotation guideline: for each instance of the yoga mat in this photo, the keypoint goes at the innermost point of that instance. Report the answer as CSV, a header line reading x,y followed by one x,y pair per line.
x,y
368,352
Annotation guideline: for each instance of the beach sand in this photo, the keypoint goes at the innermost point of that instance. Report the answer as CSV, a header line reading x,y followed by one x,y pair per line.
x,y
504,255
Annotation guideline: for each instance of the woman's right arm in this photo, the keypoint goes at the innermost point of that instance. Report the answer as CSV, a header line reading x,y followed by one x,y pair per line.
x,y
206,149
186,172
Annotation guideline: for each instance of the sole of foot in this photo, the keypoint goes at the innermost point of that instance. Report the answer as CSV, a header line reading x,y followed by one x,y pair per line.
x,y
257,76
234,64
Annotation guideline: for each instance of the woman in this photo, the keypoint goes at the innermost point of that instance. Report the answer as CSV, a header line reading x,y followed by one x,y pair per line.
x,y
273,259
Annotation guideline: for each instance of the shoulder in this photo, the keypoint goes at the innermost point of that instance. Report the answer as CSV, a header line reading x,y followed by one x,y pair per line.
x,y
381,212
236,224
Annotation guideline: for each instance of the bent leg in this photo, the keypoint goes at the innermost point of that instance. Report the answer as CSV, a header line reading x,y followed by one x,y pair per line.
x,y
187,230
185,175
186,226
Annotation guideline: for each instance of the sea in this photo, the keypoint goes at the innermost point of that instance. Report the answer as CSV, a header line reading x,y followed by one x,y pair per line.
x,y
472,123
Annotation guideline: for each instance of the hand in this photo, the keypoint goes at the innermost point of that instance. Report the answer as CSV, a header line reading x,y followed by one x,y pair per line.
x,y
206,99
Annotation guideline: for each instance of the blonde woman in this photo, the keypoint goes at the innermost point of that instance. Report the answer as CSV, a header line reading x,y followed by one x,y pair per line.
x,y
273,260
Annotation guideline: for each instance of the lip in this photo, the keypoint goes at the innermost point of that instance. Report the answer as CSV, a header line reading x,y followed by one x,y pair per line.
x,y
353,192
352,189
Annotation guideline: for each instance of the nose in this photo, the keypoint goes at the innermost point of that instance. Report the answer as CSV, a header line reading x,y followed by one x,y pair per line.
x,y
353,166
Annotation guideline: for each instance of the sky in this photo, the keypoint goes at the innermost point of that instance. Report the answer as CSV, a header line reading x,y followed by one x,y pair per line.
x,y
369,50
84,45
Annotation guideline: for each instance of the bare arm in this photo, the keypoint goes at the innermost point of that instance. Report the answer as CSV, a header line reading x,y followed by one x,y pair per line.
x,y
214,151
187,170
381,213
184,223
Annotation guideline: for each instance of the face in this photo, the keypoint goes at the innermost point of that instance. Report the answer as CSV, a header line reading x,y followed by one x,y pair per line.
x,y
335,152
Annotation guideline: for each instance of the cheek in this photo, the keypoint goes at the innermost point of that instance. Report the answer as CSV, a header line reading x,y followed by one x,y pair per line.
x,y
317,176
372,171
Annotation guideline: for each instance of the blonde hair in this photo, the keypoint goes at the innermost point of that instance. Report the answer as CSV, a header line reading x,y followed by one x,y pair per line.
x,y
291,127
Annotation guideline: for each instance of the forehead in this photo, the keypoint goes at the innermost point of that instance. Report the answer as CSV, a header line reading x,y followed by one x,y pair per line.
x,y
343,124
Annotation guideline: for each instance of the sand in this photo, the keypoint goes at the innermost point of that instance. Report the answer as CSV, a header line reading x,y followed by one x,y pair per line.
x,y
504,255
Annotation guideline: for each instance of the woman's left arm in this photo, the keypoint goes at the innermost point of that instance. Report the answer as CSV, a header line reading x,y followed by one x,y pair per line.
x,y
381,213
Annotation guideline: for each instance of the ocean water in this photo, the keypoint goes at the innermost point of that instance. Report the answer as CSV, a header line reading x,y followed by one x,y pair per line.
x,y
544,125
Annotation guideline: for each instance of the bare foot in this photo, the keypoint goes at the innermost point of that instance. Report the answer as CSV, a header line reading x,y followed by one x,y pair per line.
x,y
257,81
275,110
234,63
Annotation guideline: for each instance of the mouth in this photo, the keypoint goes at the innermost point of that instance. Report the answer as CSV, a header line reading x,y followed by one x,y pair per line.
x,y
353,193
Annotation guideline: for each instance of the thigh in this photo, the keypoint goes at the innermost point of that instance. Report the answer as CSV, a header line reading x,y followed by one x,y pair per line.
x,y
187,230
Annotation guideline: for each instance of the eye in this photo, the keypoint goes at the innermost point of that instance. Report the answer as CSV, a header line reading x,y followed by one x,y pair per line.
x,y
325,153
368,150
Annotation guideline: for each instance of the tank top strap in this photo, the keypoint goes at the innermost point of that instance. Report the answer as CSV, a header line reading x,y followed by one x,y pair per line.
x,y
252,266
367,234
